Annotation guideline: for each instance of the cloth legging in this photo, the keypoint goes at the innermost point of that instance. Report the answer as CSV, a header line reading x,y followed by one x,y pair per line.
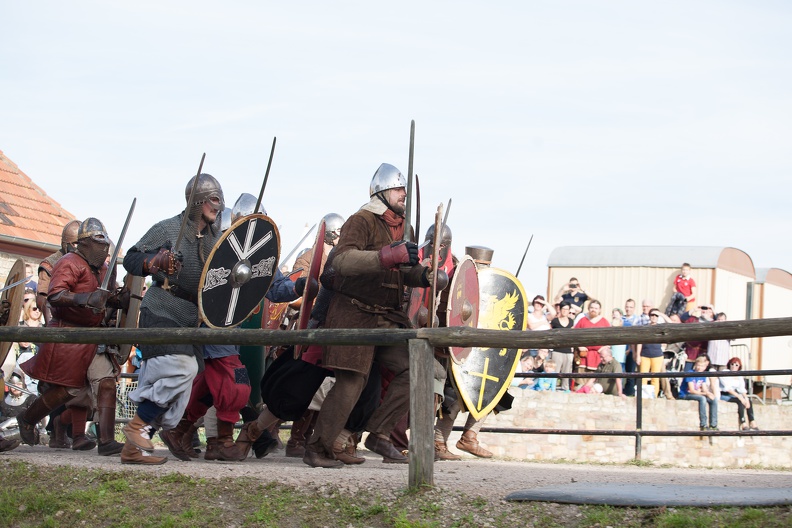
x,y
654,364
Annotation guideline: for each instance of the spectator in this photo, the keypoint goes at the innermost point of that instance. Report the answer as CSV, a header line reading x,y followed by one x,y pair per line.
x,y
31,315
525,365
594,388
694,349
589,356
619,351
31,285
616,312
733,390
608,365
563,356
685,287
572,293
650,356
546,384
630,319
576,313
719,350
542,313
540,358
698,388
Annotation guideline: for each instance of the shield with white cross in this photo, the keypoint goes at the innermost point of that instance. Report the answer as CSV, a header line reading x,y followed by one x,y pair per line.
x,y
239,271
482,377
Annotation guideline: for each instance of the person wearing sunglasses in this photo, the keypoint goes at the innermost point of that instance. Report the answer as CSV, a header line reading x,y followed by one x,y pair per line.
x,y
733,390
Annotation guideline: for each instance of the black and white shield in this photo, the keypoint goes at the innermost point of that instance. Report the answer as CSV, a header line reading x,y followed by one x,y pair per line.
x,y
239,271
484,374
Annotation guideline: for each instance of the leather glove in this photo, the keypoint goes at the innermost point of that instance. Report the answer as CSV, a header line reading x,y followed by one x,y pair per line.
x,y
97,299
398,253
442,279
120,299
303,283
165,260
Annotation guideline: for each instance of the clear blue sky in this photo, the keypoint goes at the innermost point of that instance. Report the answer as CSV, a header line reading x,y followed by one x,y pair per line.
x,y
583,123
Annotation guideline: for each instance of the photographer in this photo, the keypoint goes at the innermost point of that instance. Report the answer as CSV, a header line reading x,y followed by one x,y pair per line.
x,y
572,293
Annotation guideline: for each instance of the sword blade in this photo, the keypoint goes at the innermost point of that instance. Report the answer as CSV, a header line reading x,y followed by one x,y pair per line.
x,y
189,204
286,259
417,209
114,258
266,176
408,211
523,259
445,218
17,283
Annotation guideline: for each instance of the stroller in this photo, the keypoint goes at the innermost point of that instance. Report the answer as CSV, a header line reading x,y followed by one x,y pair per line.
x,y
675,358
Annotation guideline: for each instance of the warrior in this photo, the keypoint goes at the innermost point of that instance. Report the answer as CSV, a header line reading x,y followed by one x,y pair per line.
x,y
167,371
76,300
368,290
224,383
68,241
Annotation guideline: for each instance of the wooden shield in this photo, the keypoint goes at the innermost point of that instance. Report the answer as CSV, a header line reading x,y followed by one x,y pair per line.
x,y
129,319
463,303
309,295
239,271
14,298
418,305
486,373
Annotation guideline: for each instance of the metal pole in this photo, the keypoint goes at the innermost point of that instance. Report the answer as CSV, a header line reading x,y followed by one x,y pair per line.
x,y
422,412
638,417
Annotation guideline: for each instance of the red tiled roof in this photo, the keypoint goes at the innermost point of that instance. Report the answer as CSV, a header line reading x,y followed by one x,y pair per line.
x,y
26,211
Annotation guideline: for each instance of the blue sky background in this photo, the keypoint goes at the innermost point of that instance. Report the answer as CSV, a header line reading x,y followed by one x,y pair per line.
x,y
582,123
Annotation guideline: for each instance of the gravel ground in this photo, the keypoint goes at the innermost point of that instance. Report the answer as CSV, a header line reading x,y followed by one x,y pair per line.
x,y
489,479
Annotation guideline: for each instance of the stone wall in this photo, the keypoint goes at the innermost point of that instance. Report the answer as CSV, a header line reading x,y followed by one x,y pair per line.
x,y
558,410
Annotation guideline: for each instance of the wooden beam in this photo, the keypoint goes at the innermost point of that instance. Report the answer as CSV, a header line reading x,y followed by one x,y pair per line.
x,y
422,413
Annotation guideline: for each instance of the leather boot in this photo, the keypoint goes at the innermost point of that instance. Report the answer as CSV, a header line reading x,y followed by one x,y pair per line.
x,y
173,438
82,443
58,440
131,454
106,407
187,442
225,448
249,433
383,446
300,430
41,407
211,449
138,433
314,459
7,444
469,442
442,452
340,449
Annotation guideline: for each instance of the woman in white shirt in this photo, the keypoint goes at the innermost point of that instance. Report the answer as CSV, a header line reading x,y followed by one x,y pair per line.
x,y
732,389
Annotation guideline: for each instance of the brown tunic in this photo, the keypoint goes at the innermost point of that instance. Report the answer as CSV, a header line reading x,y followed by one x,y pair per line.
x,y
364,291
67,363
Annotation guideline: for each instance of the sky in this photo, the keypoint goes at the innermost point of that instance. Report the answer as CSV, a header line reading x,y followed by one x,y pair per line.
x,y
580,123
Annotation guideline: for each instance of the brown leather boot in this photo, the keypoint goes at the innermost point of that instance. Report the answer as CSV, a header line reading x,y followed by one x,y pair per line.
x,y
340,449
211,449
442,452
138,433
300,430
249,433
469,442
382,446
226,449
53,398
8,445
320,460
59,440
82,443
187,442
173,439
105,408
131,454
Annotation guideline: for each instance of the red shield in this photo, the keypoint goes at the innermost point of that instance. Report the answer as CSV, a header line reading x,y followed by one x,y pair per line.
x,y
463,302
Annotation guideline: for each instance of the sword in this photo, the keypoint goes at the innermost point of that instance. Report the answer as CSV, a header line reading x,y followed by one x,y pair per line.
x,y
17,283
408,211
266,176
20,389
286,259
417,208
442,226
189,204
114,258
523,259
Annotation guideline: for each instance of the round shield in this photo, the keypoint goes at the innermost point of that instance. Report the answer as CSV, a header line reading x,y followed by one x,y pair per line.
x,y
13,297
309,295
486,373
463,302
239,271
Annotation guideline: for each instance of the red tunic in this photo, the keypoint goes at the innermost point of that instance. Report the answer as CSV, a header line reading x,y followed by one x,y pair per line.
x,y
592,359
66,364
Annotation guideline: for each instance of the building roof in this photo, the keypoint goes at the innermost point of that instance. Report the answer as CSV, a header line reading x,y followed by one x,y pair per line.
x,y
28,216
706,257
775,276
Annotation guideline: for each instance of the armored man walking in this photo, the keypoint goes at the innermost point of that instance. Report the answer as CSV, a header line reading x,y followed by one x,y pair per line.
x,y
167,371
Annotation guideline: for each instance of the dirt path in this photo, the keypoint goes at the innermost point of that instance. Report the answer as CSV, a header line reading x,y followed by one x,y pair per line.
x,y
490,479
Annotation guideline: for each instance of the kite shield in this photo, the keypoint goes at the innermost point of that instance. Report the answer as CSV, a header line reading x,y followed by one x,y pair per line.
x,y
11,300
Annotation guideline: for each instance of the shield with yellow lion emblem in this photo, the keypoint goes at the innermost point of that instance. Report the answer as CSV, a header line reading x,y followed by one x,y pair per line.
x,y
485,374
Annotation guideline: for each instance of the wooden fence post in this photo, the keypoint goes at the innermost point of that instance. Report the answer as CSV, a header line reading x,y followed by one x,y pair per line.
x,y
422,413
